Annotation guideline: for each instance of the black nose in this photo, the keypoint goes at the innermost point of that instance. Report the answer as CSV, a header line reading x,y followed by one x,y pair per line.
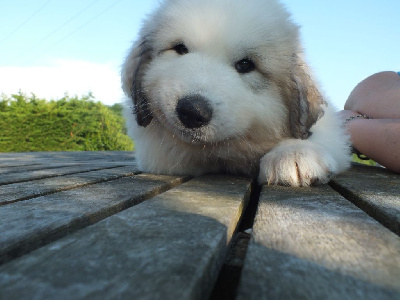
x,y
194,111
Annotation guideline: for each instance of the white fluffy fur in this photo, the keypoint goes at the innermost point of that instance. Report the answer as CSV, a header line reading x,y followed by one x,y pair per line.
x,y
255,115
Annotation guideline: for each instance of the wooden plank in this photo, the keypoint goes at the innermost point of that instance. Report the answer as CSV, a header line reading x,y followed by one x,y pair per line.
x,y
374,190
314,244
34,167
21,159
27,190
168,247
10,178
27,225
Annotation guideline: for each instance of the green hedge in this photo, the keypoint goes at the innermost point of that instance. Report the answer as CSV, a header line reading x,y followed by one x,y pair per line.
x,y
69,124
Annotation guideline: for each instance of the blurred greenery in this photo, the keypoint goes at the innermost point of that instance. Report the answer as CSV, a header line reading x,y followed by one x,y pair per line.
x,y
28,123
368,162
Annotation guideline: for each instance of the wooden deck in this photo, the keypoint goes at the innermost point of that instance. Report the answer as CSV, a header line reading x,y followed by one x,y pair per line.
x,y
88,225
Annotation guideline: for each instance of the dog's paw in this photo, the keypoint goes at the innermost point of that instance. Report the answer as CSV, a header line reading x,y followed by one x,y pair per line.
x,y
297,163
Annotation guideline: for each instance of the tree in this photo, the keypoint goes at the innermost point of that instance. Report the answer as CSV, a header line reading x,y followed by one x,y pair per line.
x,y
69,124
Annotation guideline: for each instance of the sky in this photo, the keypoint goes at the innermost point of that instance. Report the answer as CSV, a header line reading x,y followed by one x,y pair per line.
x,y
53,47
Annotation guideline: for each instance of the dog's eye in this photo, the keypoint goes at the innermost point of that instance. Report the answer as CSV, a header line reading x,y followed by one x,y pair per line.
x,y
181,49
245,66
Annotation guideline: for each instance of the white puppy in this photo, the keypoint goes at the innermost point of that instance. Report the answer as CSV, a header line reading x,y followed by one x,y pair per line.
x,y
221,86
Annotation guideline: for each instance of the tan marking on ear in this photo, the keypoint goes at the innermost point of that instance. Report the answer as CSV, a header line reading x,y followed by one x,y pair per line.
x,y
306,101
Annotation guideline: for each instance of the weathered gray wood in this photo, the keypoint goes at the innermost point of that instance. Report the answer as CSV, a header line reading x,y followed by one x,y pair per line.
x,y
168,247
9,178
27,190
20,169
10,165
26,225
22,159
314,244
375,190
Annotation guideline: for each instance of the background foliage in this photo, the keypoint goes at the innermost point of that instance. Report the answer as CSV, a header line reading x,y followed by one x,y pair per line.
x,y
69,124
368,162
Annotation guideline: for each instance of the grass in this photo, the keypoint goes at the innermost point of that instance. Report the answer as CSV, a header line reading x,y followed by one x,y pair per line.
x,y
368,162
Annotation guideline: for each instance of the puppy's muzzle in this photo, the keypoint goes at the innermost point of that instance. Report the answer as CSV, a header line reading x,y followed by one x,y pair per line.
x,y
194,111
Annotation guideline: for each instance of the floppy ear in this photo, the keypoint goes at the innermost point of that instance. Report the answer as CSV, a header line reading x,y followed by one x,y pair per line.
x,y
307,104
132,75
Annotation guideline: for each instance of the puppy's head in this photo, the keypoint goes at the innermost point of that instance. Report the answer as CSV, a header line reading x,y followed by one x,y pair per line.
x,y
211,70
